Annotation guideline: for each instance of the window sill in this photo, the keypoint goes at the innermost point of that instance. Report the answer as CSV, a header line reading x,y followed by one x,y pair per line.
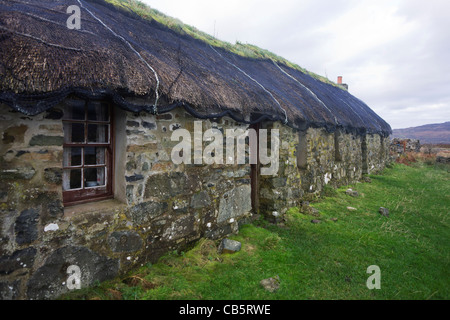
x,y
101,206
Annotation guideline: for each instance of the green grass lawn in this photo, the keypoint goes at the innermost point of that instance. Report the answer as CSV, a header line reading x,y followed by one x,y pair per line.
x,y
327,260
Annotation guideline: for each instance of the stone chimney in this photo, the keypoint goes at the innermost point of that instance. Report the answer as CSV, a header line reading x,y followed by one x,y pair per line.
x,y
339,82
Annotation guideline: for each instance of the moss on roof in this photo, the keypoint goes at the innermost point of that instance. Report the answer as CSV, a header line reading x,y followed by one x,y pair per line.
x,y
242,49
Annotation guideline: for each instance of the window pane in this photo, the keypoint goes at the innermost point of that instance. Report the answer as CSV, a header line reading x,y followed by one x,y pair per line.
x,y
72,179
74,110
72,157
94,177
98,111
98,133
73,132
94,155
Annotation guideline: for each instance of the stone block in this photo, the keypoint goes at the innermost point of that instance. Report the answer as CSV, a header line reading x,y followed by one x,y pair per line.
x,y
235,203
18,260
384,211
53,175
134,178
271,284
9,290
149,125
26,226
51,279
23,173
165,185
125,241
43,140
200,200
14,134
147,211
229,246
352,193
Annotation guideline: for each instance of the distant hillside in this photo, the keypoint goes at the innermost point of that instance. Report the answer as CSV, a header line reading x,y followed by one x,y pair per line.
x,y
429,133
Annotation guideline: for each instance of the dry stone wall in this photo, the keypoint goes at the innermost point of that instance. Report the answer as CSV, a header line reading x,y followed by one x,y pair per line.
x,y
323,158
158,205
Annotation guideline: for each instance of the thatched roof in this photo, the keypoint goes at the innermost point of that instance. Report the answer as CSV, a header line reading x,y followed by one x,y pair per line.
x,y
143,65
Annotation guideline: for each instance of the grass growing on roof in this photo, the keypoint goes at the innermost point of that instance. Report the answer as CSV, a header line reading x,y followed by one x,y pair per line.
x,y
245,50
328,260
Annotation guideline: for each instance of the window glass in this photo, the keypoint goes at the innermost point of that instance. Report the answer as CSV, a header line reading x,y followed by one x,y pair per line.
x,y
74,110
94,177
94,155
72,157
97,111
87,151
72,179
73,132
98,133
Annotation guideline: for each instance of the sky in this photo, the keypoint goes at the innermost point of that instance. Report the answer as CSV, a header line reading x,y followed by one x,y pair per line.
x,y
393,54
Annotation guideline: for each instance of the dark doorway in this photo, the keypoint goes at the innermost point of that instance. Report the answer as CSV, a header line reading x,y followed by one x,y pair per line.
x,y
254,172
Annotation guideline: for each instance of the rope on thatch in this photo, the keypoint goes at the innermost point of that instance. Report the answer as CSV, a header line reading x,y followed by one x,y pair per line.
x,y
133,49
57,23
372,115
40,40
354,110
279,105
312,93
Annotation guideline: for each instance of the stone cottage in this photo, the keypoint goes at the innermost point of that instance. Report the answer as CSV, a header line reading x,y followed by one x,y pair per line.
x,y
89,188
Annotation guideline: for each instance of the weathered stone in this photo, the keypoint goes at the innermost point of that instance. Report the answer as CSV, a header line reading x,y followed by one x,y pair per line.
x,y
53,175
271,284
315,221
351,209
21,153
130,165
149,125
14,134
145,166
235,203
26,226
125,241
229,246
134,178
279,182
50,280
133,124
180,228
25,173
307,209
218,232
138,132
18,260
51,127
367,179
174,126
9,290
200,200
165,185
43,140
140,148
129,193
52,209
146,211
352,193
384,211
